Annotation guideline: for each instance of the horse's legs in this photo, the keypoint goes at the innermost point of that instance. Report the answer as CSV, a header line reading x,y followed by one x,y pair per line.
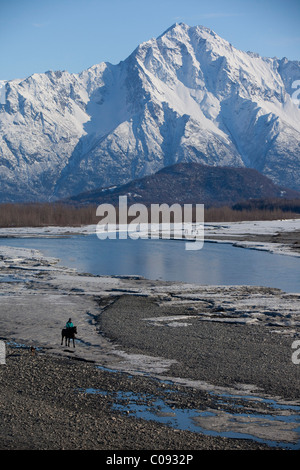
x,y
68,340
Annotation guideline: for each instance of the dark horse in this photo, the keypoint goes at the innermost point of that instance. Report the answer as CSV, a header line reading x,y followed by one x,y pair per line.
x,y
68,334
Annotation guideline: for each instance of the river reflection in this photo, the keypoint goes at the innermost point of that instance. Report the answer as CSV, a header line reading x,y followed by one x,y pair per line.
x,y
214,264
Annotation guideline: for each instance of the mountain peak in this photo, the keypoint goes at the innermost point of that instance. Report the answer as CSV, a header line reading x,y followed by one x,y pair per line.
x,y
175,27
183,27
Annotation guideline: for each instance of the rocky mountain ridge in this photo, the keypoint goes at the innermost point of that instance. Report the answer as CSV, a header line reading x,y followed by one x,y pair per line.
x,y
190,183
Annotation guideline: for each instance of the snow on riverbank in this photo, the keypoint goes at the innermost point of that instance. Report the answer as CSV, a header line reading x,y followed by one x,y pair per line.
x,y
270,227
49,231
237,233
241,234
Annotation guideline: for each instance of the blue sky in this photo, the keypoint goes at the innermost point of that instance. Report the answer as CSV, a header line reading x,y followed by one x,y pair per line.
x,y
41,35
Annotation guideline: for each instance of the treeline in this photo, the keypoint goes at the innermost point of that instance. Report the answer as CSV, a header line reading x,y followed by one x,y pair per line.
x,y
45,214
285,205
255,209
63,215
228,214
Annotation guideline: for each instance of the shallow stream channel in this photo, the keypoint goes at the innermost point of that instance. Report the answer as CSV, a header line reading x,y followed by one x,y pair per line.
x,y
264,420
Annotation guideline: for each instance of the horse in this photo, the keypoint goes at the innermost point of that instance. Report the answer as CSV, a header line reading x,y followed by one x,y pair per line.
x,y
68,334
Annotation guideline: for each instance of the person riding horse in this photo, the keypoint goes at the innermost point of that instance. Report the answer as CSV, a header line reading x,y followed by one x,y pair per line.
x,y
69,333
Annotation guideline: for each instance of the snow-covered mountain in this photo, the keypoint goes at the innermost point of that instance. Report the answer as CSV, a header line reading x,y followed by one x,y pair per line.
x,y
187,96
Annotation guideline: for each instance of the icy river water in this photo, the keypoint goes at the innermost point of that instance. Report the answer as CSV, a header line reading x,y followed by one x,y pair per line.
x,y
214,264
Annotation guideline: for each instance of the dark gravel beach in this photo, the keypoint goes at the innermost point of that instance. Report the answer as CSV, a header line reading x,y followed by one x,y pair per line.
x,y
45,403
44,407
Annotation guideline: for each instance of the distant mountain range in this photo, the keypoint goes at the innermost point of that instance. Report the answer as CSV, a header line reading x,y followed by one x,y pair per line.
x,y
190,183
186,96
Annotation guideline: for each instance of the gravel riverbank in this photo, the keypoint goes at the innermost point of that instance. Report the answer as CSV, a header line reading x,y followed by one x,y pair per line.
x,y
202,347
44,406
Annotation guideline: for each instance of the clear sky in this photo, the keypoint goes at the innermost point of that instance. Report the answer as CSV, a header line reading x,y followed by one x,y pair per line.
x,y
41,35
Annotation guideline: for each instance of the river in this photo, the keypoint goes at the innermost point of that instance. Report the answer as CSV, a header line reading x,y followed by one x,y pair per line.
x,y
214,264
